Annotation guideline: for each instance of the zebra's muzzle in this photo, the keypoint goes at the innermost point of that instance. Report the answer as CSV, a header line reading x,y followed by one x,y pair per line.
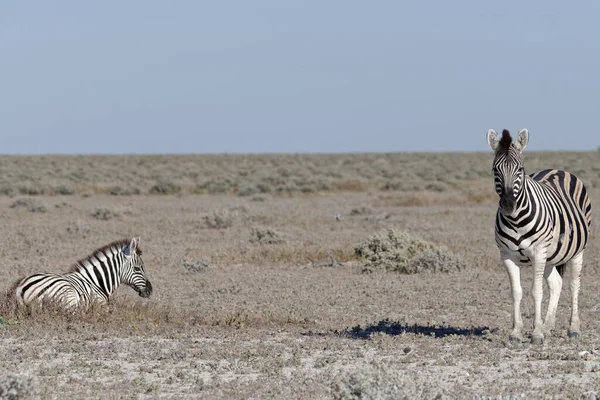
x,y
147,291
508,203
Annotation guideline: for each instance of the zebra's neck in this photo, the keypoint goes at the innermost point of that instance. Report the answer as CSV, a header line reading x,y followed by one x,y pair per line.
x,y
102,270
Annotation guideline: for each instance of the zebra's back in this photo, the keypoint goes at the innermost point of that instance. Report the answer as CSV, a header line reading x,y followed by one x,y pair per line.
x,y
57,288
570,188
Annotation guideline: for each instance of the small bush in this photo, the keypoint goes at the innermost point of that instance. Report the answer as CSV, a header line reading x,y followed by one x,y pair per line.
x,y
247,189
439,259
216,187
258,199
401,252
219,219
7,191
265,236
165,188
31,205
195,265
437,187
120,191
63,190
29,190
361,210
104,214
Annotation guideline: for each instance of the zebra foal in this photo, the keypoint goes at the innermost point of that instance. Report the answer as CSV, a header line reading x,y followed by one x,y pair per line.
x,y
543,220
91,280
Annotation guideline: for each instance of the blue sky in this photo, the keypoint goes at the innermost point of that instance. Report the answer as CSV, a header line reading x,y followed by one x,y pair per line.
x,y
143,76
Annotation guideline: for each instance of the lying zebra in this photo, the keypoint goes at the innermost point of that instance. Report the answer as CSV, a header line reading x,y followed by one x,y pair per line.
x,y
91,280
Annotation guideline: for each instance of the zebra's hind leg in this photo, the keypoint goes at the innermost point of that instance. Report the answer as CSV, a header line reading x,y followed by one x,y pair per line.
x,y
554,281
514,275
576,264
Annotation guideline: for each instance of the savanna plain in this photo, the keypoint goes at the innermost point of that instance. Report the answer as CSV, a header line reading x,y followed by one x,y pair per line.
x,y
340,276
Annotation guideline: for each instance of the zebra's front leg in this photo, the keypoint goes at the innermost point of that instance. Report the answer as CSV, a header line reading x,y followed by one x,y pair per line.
x,y
554,281
576,264
514,275
537,291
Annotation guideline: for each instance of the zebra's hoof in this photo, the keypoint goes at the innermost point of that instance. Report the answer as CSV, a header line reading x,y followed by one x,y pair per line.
x,y
515,338
573,334
537,340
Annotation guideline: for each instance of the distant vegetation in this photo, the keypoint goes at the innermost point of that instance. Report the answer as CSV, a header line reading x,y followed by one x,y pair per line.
x,y
275,174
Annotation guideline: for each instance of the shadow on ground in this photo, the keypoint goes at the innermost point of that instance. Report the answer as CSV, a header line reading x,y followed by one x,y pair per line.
x,y
398,328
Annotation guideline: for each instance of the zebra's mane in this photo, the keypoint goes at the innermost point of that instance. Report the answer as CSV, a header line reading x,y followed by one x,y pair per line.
x,y
505,142
116,245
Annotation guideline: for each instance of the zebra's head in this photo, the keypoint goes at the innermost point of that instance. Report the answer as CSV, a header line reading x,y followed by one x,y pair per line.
x,y
133,272
509,172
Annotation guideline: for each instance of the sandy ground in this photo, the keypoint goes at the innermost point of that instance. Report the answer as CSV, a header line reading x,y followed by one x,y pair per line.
x,y
232,318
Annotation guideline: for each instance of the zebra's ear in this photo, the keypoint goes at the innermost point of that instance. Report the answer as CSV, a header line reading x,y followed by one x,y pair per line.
x,y
131,247
522,140
492,139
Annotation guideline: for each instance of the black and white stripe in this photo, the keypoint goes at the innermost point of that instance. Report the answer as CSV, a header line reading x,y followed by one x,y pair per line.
x,y
543,220
91,280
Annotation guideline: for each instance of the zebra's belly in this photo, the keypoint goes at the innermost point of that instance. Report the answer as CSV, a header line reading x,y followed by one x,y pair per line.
x,y
558,251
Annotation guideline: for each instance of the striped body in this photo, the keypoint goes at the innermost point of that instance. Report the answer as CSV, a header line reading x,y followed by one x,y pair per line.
x,y
554,211
92,280
543,221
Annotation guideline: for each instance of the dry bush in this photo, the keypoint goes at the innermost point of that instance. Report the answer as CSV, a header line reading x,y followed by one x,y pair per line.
x,y
265,236
220,219
30,204
399,251
7,191
195,265
362,210
63,190
379,381
439,259
104,214
121,191
165,188
216,187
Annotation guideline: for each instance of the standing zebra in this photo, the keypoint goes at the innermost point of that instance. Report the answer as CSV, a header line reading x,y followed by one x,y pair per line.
x,y
91,280
543,220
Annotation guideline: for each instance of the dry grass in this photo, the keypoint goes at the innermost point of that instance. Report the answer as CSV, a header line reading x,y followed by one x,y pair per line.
x,y
259,292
